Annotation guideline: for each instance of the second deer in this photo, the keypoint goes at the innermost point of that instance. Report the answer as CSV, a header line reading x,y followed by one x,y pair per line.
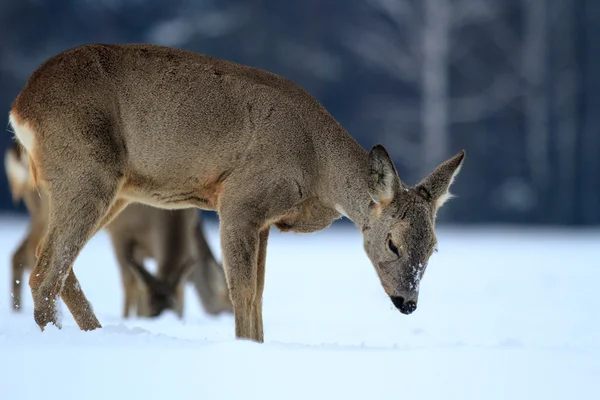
x,y
173,239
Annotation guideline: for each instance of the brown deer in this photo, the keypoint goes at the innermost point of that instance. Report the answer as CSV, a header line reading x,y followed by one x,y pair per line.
x,y
107,125
173,238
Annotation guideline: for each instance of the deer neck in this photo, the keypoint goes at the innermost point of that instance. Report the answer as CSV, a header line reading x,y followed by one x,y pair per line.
x,y
347,170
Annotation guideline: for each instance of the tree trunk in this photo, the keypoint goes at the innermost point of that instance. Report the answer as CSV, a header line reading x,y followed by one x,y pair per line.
x,y
434,82
589,193
535,59
565,109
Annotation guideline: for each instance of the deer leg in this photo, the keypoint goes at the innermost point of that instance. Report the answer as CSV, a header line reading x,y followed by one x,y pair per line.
x,y
78,304
180,300
128,280
129,285
75,214
71,292
200,280
239,243
19,262
118,206
260,284
126,298
208,278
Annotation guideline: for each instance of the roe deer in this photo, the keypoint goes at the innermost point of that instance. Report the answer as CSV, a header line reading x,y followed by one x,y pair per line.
x,y
173,238
106,125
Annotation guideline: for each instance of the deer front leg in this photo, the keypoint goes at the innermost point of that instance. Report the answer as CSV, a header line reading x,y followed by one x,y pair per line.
x,y
260,284
239,243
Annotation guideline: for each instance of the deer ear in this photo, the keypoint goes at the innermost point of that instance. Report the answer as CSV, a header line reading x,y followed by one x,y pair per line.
x,y
438,183
384,183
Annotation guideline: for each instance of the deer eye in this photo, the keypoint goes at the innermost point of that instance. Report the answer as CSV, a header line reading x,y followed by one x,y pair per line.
x,y
393,248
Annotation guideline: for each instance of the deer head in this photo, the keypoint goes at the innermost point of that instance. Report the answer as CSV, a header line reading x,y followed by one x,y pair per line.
x,y
160,294
399,237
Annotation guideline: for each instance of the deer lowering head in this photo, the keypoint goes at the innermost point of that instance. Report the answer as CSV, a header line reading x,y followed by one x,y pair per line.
x,y
174,129
399,236
157,295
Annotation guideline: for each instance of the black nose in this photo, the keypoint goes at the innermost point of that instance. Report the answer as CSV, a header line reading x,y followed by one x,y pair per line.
x,y
408,307
404,307
398,301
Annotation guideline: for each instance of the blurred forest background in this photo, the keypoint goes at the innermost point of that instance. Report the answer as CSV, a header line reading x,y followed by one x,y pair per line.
x,y
514,82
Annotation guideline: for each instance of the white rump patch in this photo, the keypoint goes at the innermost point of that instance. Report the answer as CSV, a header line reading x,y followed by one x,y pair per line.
x,y
23,133
17,170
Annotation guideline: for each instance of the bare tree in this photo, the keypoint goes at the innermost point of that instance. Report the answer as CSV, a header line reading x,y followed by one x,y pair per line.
x,y
544,24
194,20
589,146
534,71
435,46
565,102
414,43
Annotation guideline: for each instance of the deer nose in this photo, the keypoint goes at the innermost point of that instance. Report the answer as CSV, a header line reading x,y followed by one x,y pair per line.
x,y
398,301
405,307
408,307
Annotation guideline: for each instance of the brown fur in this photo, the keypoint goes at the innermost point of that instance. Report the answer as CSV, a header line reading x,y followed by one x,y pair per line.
x,y
172,238
156,125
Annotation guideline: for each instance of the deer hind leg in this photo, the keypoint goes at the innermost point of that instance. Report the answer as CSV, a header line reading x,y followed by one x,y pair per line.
x,y
72,294
78,304
116,208
19,263
76,208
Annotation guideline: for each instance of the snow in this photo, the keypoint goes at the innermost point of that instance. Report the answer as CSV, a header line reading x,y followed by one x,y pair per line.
x,y
502,314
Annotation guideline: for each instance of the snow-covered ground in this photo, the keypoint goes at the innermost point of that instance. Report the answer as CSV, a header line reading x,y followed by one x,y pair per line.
x,y
503,314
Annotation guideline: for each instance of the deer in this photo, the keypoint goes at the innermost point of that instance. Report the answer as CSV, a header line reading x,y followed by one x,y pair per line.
x,y
105,125
174,239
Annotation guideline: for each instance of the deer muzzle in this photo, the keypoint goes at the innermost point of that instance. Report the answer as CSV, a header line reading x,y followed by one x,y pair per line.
x,y
405,304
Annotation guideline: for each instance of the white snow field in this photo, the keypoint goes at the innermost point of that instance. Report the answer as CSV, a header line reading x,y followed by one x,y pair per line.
x,y
503,314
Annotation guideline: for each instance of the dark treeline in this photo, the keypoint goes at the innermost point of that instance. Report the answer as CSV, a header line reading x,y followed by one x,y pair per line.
x,y
514,82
